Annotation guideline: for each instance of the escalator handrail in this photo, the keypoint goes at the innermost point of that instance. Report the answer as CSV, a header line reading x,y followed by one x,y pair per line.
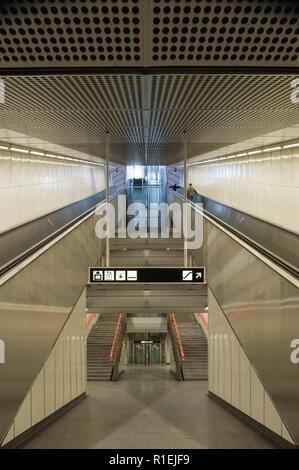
x,y
178,336
33,249
261,249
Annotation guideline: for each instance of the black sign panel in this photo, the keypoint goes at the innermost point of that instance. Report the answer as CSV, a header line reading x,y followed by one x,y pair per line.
x,y
147,275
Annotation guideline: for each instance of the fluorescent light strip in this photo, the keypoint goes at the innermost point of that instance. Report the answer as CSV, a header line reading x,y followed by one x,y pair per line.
x,y
42,154
254,152
272,149
50,155
33,152
290,146
15,149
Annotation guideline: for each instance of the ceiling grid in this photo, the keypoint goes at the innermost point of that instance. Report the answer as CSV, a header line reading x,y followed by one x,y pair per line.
x,y
149,110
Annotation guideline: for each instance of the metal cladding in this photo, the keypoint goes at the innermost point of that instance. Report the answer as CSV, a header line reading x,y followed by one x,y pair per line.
x,y
147,33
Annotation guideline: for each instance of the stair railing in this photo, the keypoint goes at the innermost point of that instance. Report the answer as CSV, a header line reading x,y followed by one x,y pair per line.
x,y
177,346
117,344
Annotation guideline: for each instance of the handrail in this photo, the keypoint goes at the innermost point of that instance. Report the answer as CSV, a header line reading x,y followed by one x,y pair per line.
x,y
204,319
115,339
178,336
8,265
273,257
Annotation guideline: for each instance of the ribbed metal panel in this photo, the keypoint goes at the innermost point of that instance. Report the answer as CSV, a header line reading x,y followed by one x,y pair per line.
x,y
147,112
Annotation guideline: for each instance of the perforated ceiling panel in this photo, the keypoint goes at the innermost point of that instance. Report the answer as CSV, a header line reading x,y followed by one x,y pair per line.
x,y
144,33
147,115
237,33
71,33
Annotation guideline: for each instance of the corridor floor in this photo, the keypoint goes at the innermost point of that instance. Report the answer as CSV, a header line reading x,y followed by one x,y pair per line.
x,y
148,408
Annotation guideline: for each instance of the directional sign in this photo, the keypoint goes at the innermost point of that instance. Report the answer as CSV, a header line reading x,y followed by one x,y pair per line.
x,y
147,275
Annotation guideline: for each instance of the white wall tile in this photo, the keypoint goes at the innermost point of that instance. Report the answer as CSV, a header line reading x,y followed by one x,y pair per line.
x,y
286,435
10,435
243,183
37,186
227,364
23,418
50,385
67,365
244,383
38,398
256,397
272,418
58,353
73,362
235,372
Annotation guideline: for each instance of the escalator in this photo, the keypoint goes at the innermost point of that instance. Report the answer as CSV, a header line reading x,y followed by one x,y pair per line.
x,y
104,346
256,289
189,346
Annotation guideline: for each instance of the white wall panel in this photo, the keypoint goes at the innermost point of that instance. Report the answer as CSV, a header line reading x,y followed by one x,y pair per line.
x,y
235,372
256,398
211,361
63,376
73,362
272,418
286,435
227,365
244,383
38,398
242,183
23,418
220,361
67,364
50,385
233,378
58,354
33,186
10,435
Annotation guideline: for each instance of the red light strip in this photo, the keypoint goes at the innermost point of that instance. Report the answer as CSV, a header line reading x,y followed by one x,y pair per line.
x,y
204,319
115,337
178,336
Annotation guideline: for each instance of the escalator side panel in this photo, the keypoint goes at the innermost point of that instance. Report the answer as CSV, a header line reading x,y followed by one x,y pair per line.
x,y
262,308
34,306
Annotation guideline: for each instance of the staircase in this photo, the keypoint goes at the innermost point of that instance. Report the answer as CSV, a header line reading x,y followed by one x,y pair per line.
x,y
195,346
99,344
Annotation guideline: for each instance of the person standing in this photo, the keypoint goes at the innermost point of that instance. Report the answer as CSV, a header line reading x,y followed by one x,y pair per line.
x,y
191,192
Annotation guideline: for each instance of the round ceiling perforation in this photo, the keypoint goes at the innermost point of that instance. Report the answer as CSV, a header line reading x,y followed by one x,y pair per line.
x,y
66,33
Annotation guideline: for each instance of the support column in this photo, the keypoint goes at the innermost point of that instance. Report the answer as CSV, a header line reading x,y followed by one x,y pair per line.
x,y
107,200
185,221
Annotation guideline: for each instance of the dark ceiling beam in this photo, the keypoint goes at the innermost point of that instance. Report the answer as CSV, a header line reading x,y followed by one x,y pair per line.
x,y
149,71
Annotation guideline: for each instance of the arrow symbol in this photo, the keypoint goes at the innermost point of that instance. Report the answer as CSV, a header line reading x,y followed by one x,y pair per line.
x,y
198,275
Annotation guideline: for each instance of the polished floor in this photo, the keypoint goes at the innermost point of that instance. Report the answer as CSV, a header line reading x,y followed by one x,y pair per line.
x,y
148,408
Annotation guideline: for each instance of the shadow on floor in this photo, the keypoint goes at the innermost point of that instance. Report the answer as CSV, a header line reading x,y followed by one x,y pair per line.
x,y
148,408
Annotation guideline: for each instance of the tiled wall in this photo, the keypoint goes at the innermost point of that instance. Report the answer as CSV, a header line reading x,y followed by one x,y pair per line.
x,y
62,378
233,378
264,185
32,186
